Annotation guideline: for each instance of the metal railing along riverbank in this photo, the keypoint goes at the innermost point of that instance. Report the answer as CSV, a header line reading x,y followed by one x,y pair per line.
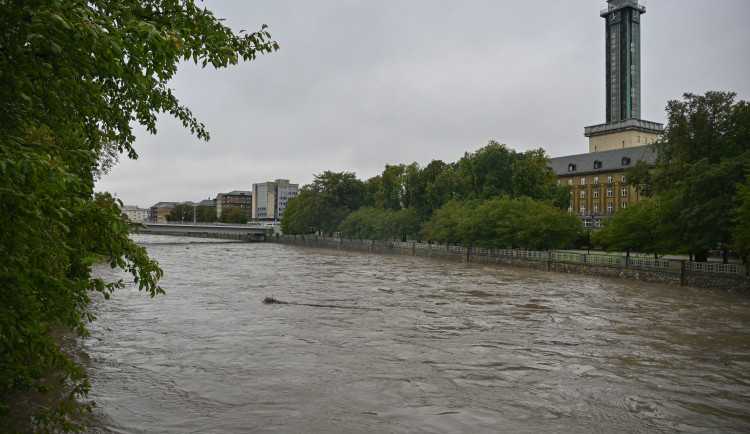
x,y
671,271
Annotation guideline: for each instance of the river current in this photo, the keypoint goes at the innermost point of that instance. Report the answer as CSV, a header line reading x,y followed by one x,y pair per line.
x,y
379,343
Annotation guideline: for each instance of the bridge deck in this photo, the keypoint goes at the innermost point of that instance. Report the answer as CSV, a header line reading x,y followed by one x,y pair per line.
x,y
243,232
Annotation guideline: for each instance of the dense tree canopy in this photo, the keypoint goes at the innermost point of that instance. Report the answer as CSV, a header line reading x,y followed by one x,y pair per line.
x,y
234,215
180,213
380,224
205,214
697,184
643,226
503,222
703,157
437,196
495,171
323,204
75,77
741,220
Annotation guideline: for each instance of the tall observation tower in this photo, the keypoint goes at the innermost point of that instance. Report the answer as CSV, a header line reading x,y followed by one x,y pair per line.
x,y
624,126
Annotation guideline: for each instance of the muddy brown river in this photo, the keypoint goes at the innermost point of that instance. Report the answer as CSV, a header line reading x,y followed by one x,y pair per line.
x,y
377,343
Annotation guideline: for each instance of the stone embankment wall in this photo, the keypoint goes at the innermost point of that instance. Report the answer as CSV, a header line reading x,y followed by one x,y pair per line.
x,y
671,272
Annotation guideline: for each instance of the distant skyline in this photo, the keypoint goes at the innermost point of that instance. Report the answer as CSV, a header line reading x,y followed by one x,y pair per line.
x,y
360,84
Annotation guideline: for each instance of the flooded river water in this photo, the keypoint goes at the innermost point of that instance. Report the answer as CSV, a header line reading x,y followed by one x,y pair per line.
x,y
402,344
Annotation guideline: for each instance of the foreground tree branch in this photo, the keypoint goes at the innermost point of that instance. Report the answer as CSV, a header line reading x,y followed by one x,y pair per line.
x,y
75,76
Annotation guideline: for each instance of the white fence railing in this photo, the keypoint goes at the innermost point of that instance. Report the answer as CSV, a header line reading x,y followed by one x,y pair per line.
x,y
599,259
648,263
565,257
712,267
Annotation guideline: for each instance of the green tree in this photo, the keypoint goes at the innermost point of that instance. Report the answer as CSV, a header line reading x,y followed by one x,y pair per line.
x,y
639,176
520,222
366,222
337,194
181,213
531,177
503,222
703,157
323,204
300,214
403,223
741,220
420,182
205,214
371,188
644,227
234,215
446,225
76,77
490,171
543,226
390,193
449,184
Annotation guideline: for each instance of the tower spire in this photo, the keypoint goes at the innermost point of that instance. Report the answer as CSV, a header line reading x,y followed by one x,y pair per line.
x,y
624,126
623,59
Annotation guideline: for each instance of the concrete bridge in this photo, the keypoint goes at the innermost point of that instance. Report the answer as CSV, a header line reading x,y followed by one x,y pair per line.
x,y
228,231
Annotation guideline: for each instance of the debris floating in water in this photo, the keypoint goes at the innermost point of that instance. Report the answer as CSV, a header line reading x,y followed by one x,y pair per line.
x,y
272,300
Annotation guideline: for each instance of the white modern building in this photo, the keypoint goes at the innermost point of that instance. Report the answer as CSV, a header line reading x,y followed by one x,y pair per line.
x,y
270,199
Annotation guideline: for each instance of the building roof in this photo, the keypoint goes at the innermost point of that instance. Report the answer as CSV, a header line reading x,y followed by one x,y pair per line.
x,y
604,161
164,204
237,193
206,202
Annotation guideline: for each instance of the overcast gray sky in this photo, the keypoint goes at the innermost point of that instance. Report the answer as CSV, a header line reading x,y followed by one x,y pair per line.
x,y
359,84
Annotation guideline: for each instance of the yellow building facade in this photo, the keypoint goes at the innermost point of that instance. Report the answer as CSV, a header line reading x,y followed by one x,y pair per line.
x,y
598,182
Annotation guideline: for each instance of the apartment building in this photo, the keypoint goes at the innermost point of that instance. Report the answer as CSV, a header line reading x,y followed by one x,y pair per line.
x,y
270,199
234,199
